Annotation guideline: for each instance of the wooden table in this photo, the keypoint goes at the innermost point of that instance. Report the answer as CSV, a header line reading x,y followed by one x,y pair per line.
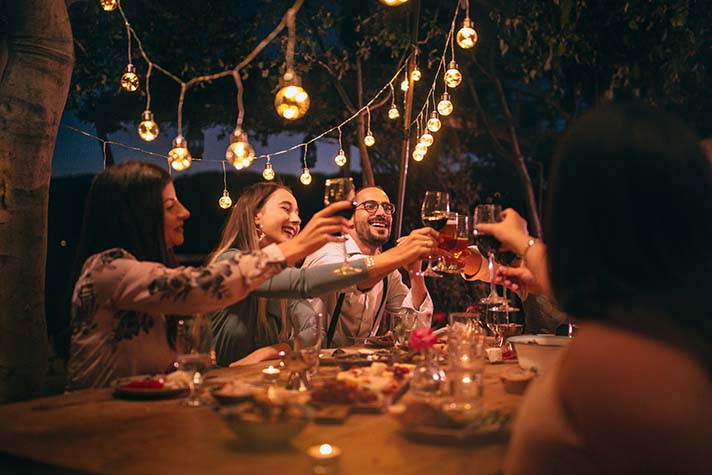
x,y
90,431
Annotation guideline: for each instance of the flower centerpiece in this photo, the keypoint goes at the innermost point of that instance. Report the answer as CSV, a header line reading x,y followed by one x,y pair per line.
x,y
428,377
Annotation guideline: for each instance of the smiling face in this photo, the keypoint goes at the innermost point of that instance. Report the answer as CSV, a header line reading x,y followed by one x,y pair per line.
x,y
372,230
174,215
278,218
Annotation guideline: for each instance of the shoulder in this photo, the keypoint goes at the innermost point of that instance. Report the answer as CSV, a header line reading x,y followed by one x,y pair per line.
x,y
327,253
106,258
627,393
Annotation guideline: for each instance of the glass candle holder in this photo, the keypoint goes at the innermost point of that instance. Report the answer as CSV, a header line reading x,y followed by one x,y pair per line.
x,y
324,458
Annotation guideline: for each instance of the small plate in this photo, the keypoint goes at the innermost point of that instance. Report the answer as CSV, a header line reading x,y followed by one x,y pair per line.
x,y
121,390
233,393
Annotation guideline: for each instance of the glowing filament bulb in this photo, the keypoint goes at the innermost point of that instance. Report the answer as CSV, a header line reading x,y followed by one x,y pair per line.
x,y
129,80
268,172
393,3
467,36
453,77
421,148
179,156
291,101
418,156
340,158
306,177
225,201
426,139
434,123
404,85
415,74
393,113
109,5
147,128
240,153
369,140
445,106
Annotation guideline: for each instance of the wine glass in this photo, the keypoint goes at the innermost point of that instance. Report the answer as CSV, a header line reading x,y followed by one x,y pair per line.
x,y
342,189
195,353
488,245
434,212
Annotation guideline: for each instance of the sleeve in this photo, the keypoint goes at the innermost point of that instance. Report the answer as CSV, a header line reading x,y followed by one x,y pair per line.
x,y
310,281
151,287
399,297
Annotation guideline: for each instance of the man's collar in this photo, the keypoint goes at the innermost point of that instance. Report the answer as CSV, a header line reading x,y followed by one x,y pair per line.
x,y
352,248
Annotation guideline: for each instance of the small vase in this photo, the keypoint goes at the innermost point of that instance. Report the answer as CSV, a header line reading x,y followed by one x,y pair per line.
x,y
428,378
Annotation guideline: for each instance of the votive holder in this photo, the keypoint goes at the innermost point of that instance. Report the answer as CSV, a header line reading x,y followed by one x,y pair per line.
x,y
270,374
324,458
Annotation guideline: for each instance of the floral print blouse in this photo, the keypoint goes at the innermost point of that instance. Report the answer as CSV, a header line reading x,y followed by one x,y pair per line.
x,y
119,306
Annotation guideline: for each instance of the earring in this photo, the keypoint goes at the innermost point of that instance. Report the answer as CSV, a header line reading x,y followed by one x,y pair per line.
x,y
260,233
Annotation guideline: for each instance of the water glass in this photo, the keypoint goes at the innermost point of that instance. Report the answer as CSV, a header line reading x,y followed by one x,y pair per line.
x,y
195,352
404,323
466,353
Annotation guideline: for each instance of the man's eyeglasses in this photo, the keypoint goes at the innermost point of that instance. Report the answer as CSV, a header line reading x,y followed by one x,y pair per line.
x,y
371,206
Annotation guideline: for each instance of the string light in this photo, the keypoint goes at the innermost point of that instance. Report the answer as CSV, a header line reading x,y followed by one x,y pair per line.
x,y
240,153
291,101
340,157
393,3
306,177
420,149
434,123
147,128
453,77
426,139
268,172
225,201
467,35
393,113
415,74
445,106
129,80
369,139
405,85
109,5
179,156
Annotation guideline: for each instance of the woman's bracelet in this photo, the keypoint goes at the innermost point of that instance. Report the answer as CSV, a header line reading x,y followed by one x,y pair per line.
x,y
530,244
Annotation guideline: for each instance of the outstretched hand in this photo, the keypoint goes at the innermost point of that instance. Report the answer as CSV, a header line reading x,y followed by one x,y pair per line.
x,y
511,231
520,279
418,245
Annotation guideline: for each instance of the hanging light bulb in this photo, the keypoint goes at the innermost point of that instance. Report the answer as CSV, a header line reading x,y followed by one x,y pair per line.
x,y
434,123
291,101
467,36
393,3
453,77
306,177
109,5
179,156
418,156
393,113
445,106
268,172
225,201
404,85
422,148
147,128
129,80
369,140
415,74
240,153
426,139
340,158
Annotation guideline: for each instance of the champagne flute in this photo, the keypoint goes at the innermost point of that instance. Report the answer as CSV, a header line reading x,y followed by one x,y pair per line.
x,y
488,245
434,212
195,353
342,189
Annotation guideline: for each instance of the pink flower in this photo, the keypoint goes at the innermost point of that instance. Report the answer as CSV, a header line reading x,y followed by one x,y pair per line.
x,y
473,309
422,338
439,317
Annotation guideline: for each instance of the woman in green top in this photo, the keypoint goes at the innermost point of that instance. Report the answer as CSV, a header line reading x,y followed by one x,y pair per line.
x,y
256,328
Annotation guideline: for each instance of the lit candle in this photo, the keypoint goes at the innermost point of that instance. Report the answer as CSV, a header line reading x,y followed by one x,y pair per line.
x,y
271,374
325,458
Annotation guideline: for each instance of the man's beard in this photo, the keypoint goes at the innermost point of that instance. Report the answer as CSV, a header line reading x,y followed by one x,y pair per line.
x,y
364,233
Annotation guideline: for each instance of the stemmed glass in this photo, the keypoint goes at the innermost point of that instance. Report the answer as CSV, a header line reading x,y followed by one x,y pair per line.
x,y
488,245
342,189
195,352
434,213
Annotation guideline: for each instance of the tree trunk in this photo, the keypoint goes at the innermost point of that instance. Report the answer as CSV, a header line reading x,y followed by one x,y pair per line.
x,y
35,80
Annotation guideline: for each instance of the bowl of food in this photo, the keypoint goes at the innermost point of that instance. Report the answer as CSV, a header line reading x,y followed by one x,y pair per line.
x,y
266,426
537,352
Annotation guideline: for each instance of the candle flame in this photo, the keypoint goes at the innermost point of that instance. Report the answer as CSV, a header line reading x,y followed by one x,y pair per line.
x,y
325,449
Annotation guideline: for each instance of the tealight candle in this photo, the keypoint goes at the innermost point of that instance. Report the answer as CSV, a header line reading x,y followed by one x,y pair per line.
x,y
270,374
325,458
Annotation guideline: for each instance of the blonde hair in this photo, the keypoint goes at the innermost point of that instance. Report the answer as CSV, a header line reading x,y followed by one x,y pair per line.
x,y
240,232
